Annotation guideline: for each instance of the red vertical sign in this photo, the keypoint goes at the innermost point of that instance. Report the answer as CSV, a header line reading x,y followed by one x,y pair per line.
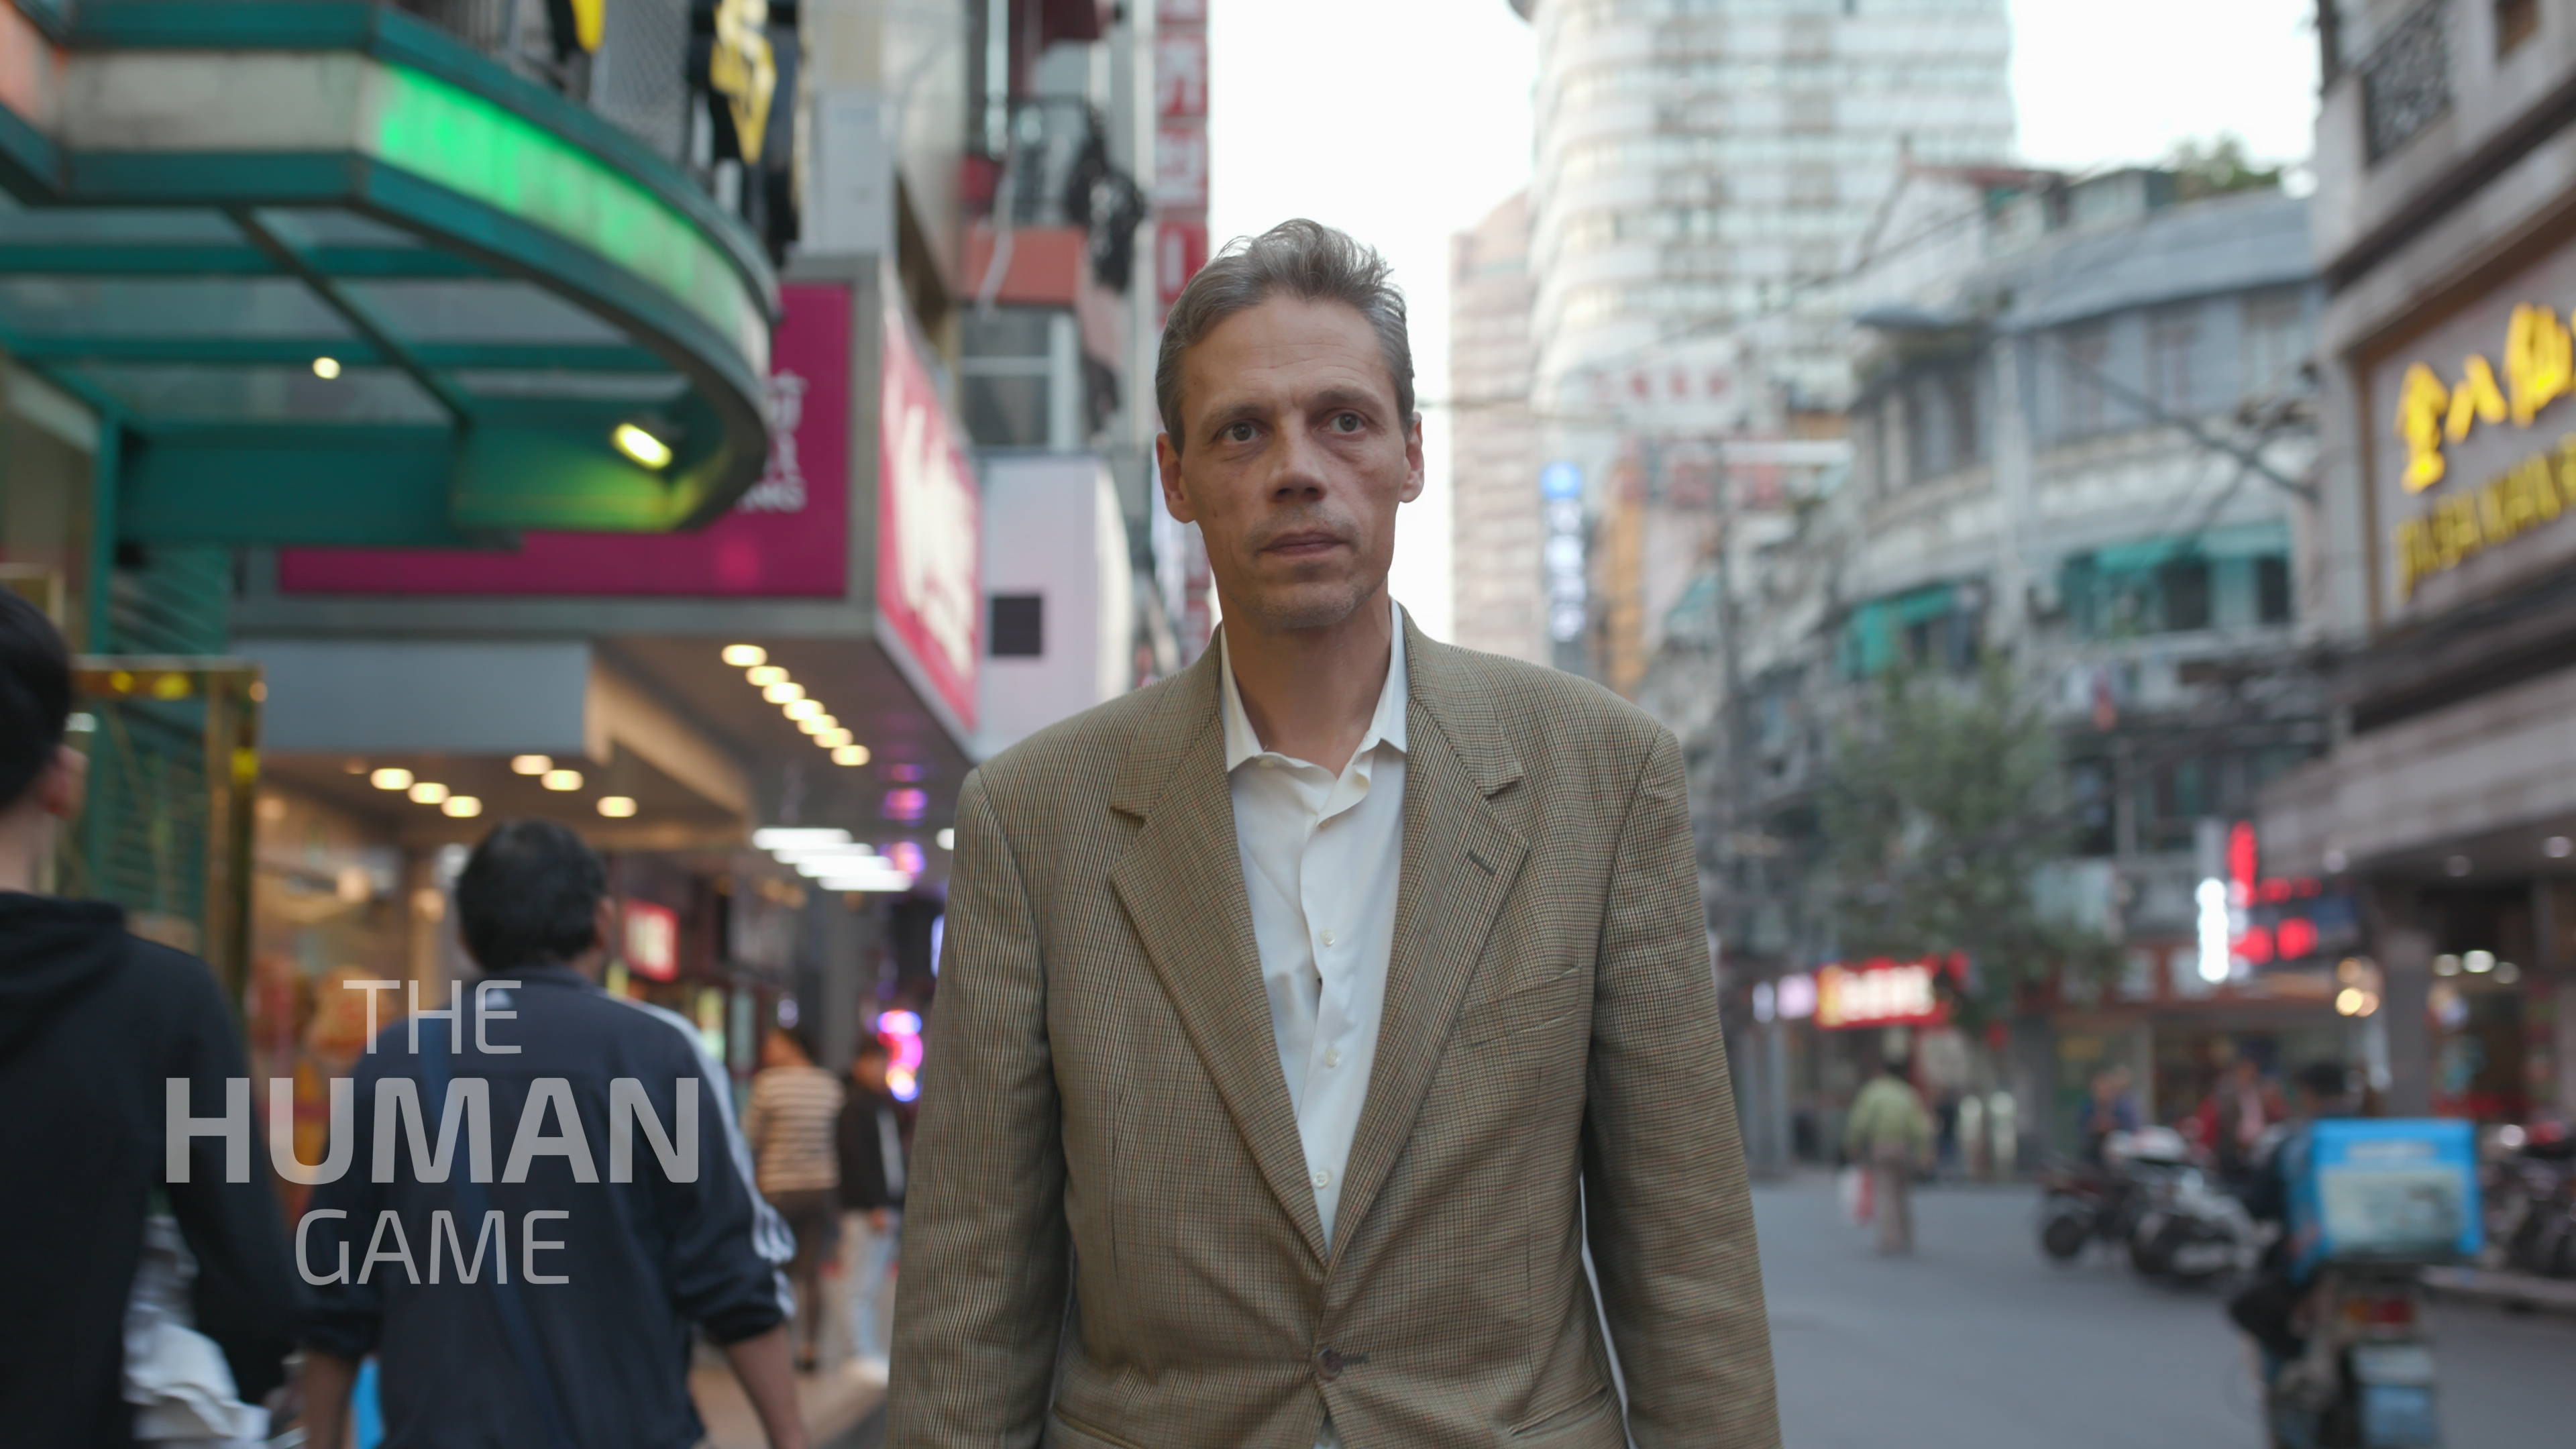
x,y
1180,145
929,527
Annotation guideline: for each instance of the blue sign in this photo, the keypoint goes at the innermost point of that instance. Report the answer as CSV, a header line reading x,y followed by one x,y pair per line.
x,y
1560,480
2390,1190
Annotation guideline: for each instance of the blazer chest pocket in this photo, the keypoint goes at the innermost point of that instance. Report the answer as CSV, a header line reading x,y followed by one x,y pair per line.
x,y
1523,1007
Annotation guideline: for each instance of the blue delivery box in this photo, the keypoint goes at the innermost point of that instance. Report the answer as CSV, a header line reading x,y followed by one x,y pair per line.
x,y
2385,1190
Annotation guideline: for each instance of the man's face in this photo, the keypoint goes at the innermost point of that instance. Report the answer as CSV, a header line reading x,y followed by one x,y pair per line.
x,y
1292,460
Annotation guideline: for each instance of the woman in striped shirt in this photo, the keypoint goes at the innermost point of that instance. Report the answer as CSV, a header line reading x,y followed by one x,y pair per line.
x,y
795,1106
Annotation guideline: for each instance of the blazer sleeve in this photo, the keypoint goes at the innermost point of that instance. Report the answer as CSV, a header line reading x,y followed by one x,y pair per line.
x,y
1666,1199
986,1249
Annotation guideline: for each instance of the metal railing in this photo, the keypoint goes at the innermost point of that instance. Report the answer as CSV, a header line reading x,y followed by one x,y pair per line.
x,y
2406,80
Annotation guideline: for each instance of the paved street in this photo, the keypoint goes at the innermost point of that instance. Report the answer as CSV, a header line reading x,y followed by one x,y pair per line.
x,y
1978,1341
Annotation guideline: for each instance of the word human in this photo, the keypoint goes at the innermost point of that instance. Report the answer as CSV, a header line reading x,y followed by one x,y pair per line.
x,y
469,1103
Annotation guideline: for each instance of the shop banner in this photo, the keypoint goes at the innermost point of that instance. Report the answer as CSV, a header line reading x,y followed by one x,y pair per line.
x,y
1885,993
929,528
788,537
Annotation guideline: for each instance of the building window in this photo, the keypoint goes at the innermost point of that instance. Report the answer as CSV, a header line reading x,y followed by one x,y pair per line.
x,y
2183,587
2516,21
1018,626
2171,338
2272,589
2275,344
2087,352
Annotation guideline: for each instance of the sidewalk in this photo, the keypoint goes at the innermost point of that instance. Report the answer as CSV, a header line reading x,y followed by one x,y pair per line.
x,y
834,1401
2514,1290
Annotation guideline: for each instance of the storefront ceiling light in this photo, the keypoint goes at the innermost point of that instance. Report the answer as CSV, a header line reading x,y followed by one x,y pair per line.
x,y
617,807
850,755
804,709
392,777
463,807
854,853
764,675
743,656
561,779
791,837
891,882
785,691
642,446
2558,847
832,739
326,368
947,839
428,792
531,764
811,724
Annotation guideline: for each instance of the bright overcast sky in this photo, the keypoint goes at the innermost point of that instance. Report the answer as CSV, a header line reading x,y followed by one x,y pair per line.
x,y
1404,121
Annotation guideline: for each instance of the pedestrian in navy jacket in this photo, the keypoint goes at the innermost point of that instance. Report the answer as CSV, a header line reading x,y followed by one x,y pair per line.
x,y
524,1280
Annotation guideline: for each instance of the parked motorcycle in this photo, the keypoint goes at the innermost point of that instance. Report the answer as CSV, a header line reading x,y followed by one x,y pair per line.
x,y
2194,1232
2530,1188
2082,1202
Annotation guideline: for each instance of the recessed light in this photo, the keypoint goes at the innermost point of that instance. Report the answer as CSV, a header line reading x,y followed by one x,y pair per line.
x,y
392,777
850,755
764,675
531,764
561,780
832,739
428,792
743,656
2558,847
617,807
326,368
641,446
804,709
785,691
463,807
947,839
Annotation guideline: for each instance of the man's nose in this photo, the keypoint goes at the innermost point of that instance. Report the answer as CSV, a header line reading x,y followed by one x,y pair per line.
x,y
1301,472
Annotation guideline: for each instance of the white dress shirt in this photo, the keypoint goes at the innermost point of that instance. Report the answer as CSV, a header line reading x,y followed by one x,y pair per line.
x,y
1322,855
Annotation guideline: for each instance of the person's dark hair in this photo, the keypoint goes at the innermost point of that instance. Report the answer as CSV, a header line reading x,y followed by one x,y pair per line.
x,y
528,896
2325,1080
1303,259
35,694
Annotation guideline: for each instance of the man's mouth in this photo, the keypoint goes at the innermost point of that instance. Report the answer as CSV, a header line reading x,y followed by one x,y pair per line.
x,y
1306,543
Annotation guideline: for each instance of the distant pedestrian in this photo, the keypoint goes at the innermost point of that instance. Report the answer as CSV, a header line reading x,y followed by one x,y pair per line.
x,y
97,1029
1890,1135
2109,1108
2235,1118
579,1333
873,1165
795,1107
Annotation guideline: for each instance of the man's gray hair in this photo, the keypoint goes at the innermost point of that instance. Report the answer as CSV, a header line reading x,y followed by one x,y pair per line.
x,y
1303,259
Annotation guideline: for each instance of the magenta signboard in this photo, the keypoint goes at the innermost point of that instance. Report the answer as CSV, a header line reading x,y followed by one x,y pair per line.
x,y
787,538
929,528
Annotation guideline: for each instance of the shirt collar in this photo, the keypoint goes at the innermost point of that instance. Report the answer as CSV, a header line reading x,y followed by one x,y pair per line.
x,y
1385,727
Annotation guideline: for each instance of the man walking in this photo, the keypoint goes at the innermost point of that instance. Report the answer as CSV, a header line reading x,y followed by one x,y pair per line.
x,y
1318,1001
96,1027
577,1332
872,1173
1890,1137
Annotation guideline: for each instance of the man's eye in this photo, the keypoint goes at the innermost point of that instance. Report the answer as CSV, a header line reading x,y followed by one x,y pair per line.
x,y
1237,433
1346,422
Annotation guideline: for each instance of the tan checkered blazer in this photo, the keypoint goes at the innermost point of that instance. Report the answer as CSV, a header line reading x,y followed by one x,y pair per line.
x,y
1103,1088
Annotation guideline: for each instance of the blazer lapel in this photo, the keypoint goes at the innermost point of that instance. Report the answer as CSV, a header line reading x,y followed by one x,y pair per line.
x,y
1460,861
1182,884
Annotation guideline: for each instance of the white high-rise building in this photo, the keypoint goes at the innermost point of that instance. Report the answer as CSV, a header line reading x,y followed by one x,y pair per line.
x,y
1701,164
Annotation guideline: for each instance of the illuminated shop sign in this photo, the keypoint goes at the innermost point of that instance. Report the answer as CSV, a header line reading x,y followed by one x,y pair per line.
x,y
2251,921
1881,992
652,940
2470,479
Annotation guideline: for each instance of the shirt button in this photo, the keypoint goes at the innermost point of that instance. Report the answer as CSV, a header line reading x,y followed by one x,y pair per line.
x,y
1328,938
1332,1056
1328,1364
1323,1178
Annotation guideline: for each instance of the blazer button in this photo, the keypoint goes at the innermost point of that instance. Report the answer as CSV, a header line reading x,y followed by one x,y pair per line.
x,y
1328,1365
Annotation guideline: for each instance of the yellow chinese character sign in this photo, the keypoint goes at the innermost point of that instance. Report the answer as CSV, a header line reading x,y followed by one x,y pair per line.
x,y
2432,415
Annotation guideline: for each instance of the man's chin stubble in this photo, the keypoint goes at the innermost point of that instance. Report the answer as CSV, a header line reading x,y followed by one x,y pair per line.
x,y
1313,607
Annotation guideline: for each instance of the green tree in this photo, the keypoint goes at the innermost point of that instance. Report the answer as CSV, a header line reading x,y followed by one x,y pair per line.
x,y
2216,167
1944,803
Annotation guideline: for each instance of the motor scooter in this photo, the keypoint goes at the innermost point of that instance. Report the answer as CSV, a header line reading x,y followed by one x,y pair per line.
x,y
2194,1232
2367,1377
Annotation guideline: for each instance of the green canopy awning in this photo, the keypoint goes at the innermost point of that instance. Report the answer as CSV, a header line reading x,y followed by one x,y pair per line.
x,y
336,278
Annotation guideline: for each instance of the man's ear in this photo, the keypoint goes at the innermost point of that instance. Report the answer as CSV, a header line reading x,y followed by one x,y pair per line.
x,y
64,785
1414,477
1167,468
603,925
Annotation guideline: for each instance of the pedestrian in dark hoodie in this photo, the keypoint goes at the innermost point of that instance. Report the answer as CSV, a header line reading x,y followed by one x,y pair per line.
x,y
93,1024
